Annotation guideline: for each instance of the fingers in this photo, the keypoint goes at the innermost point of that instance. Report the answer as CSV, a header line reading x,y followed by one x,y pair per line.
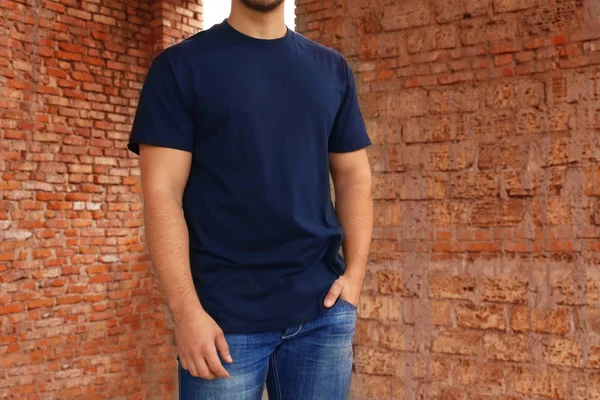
x,y
223,347
196,367
188,366
204,371
205,363
214,363
334,292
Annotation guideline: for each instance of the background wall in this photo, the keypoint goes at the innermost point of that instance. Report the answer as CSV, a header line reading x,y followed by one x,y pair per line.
x,y
484,280
80,313
485,114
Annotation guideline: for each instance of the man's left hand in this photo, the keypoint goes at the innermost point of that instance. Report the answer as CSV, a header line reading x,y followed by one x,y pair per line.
x,y
346,287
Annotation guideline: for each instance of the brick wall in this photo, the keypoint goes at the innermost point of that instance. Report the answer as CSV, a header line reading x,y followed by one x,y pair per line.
x,y
484,280
81,315
485,116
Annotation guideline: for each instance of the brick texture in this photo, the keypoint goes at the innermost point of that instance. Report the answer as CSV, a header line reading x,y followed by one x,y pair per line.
x,y
81,315
485,117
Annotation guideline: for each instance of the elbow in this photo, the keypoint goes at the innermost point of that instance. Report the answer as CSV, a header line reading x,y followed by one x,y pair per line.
x,y
162,197
359,182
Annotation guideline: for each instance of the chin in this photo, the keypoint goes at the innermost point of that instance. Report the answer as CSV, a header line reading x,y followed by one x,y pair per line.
x,y
262,5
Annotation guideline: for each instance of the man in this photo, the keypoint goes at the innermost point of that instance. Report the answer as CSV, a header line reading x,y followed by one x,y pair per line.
x,y
240,126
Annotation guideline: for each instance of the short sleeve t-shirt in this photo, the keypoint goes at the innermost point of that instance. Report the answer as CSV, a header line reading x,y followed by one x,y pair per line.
x,y
259,118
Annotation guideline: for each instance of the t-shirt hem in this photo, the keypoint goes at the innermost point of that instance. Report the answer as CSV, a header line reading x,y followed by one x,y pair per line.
x,y
135,146
273,326
350,147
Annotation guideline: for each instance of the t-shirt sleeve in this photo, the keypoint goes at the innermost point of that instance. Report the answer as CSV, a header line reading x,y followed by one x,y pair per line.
x,y
349,132
163,116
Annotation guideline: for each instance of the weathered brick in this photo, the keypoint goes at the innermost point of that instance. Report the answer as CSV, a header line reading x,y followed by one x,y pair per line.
x,y
461,99
562,351
497,213
484,117
552,17
444,214
494,123
436,129
506,347
484,317
370,387
372,361
412,103
594,355
473,185
576,292
458,342
441,312
390,282
373,306
406,14
474,31
450,10
512,5
393,337
499,155
467,372
451,286
504,290
427,39
550,383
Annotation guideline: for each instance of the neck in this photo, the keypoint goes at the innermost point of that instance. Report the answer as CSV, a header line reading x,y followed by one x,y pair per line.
x,y
260,25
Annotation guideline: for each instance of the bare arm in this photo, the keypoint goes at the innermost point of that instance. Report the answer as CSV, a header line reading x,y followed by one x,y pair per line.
x,y
353,202
164,174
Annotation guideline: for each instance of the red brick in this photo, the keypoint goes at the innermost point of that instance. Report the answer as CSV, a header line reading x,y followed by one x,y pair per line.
x,y
48,302
11,308
484,117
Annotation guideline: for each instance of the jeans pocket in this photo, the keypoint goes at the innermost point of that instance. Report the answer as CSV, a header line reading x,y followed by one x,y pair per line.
x,y
347,304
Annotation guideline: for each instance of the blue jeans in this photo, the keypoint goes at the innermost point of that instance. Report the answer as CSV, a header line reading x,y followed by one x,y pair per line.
x,y
311,361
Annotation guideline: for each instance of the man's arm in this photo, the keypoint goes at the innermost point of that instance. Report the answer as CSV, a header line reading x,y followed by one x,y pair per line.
x,y
164,174
351,176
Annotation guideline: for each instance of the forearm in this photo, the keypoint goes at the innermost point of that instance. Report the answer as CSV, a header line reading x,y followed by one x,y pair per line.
x,y
354,207
168,243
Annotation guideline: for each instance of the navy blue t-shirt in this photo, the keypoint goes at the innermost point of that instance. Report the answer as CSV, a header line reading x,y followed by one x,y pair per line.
x,y
259,117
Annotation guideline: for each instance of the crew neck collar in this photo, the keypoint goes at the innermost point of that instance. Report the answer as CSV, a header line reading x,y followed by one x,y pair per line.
x,y
288,37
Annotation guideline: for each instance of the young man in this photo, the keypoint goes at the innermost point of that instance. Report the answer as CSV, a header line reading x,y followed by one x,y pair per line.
x,y
240,126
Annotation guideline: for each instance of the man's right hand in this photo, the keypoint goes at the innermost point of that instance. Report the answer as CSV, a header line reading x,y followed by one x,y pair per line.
x,y
198,339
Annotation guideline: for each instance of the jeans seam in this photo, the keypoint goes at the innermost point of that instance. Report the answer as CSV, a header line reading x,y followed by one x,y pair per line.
x,y
276,376
294,333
